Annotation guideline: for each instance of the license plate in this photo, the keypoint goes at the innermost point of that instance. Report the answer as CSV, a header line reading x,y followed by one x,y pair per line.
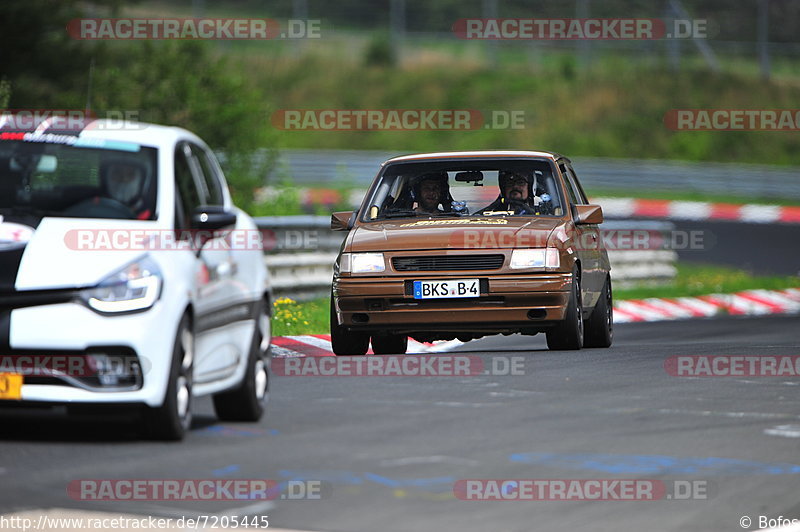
x,y
10,386
444,289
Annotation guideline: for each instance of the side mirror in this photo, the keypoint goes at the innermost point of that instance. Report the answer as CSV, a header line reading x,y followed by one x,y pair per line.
x,y
588,214
342,220
211,218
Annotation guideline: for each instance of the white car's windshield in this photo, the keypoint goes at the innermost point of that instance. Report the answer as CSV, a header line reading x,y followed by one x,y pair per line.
x,y
468,188
48,179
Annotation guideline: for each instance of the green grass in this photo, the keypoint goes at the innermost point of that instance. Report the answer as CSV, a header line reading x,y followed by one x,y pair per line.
x,y
290,318
698,280
312,317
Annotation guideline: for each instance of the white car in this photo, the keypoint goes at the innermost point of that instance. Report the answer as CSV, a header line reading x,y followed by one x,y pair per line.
x,y
128,277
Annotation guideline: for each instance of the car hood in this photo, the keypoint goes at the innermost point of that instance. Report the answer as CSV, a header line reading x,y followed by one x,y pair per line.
x,y
458,233
47,256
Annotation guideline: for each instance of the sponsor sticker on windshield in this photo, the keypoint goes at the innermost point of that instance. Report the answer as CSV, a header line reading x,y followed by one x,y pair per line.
x,y
72,140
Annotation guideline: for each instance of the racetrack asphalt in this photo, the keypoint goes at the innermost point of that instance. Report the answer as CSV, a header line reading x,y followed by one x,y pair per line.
x,y
763,249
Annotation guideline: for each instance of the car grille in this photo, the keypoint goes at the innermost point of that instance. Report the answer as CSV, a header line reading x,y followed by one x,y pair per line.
x,y
447,262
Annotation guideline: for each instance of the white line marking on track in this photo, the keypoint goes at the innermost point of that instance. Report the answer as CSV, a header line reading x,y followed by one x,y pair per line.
x,y
435,459
785,431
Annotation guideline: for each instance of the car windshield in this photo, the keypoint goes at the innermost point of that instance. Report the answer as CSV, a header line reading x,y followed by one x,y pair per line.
x,y
81,180
465,188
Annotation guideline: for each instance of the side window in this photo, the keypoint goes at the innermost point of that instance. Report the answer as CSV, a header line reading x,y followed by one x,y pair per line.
x,y
188,197
211,182
579,193
573,197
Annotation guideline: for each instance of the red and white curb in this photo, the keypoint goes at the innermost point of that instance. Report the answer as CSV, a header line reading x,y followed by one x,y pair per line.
x,y
746,303
642,208
320,345
697,210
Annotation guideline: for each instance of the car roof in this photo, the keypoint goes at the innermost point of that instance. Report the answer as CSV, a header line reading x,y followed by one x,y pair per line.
x,y
143,133
480,154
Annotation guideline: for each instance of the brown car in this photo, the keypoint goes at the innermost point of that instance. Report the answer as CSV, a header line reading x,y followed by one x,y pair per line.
x,y
467,244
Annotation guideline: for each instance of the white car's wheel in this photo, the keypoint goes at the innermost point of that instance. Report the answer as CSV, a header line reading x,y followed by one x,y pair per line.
x,y
173,418
249,401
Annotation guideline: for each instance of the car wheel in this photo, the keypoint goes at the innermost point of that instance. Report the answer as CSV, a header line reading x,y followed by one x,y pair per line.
x,y
172,419
344,342
249,401
389,344
568,335
600,325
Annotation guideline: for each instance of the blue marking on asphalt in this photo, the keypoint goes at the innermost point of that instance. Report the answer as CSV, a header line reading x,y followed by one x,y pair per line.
x,y
334,477
382,480
656,464
221,472
225,430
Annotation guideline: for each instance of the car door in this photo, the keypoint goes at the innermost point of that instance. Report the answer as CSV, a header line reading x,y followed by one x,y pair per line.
x,y
216,354
587,240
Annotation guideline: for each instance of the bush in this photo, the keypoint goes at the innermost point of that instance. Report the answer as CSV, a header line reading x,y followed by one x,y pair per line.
x,y
380,52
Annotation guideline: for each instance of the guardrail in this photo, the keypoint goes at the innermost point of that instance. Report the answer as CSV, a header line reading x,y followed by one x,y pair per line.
x,y
301,251
321,167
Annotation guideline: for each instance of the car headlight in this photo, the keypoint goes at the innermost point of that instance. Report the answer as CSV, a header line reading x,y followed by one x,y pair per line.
x,y
134,287
362,263
542,258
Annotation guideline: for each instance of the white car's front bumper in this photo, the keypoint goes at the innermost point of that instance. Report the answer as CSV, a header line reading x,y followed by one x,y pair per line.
x,y
67,329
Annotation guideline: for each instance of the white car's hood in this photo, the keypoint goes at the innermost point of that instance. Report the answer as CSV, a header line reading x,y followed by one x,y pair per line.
x,y
52,259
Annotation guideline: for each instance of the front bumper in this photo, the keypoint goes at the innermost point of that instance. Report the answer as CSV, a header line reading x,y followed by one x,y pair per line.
x,y
66,332
507,303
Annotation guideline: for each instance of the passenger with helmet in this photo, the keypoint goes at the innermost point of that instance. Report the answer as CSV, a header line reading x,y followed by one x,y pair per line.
x,y
429,191
518,195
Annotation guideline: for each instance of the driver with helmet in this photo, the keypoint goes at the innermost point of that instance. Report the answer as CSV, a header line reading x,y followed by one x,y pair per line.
x,y
124,181
518,195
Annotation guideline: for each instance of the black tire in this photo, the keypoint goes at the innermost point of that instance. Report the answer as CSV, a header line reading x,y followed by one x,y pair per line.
x,y
568,334
249,400
172,419
600,325
389,344
344,342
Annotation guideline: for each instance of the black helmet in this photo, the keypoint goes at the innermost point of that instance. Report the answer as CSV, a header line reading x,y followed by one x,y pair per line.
x,y
504,176
441,178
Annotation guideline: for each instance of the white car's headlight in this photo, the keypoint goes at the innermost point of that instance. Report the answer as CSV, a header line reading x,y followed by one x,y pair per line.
x,y
543,258
134,287
362,263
